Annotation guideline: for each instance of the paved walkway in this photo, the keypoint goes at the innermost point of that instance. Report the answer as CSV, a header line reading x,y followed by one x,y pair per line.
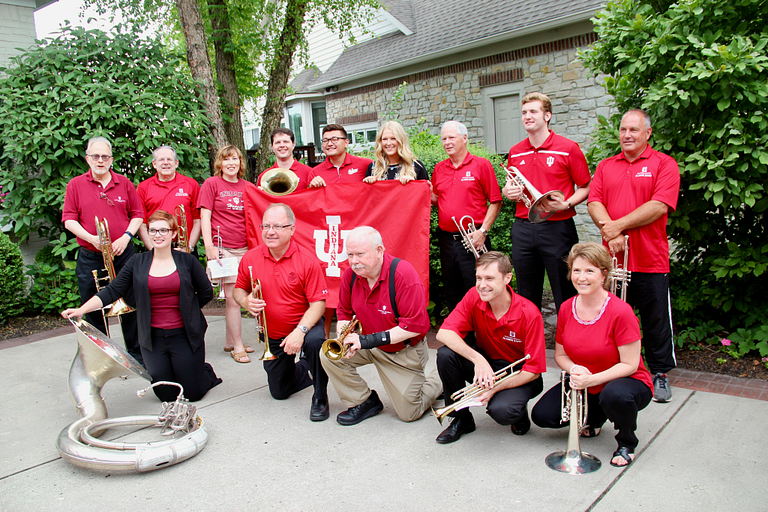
x,y
701,451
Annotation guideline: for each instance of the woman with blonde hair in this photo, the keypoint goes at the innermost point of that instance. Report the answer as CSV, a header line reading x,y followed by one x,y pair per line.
x,y
394,158
222,214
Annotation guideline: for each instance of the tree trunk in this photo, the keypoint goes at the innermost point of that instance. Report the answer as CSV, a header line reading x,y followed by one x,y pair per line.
x,y
225,72
290,37
200,67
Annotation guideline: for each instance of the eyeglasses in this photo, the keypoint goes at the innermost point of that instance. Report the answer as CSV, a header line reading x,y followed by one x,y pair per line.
x,y
105,158
102,195
276,227
335,140
162,231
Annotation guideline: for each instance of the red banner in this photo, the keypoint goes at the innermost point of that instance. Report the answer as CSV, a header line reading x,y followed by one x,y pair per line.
x,y
325,215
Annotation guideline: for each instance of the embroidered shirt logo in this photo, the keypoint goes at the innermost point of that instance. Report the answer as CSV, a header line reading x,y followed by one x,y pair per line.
x,y
119,199
512,337
550,160
383,310
181,193
352,171
468,177
644,173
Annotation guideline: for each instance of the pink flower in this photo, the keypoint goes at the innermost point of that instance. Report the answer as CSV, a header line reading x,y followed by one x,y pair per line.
x,y
726,342
765,359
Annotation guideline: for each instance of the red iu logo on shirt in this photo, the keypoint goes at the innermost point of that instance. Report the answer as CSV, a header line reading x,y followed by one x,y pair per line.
x,y
292,277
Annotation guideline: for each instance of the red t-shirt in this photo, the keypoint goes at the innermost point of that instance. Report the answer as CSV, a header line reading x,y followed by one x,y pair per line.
x,y
225,201
373,307
555,165
83,202
167,195
519,332
622,187
301,170
289,285
465,190
351,171
596,346
164,298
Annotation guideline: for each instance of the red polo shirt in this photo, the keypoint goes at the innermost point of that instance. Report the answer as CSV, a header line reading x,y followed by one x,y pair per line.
x,y
373,306
519,332
465,190
167,195
225,201
301,170
288,285
83,202
351,171
555,165
622,186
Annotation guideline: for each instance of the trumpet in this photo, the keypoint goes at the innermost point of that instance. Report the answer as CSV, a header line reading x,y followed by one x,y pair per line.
x,y
261,319
183,242
465,240
620,276
536,211
119,307
334,348
573,461
465,396
220,248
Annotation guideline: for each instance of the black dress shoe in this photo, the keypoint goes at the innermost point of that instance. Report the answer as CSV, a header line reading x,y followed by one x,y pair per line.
x,y
463,424
319,411
354,415
523,425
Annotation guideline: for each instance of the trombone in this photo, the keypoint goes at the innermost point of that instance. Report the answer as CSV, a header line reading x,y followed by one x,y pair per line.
x,y
119,307
183,242
334,348
261,318
620,275
465,240
465,396
536,213
573,461
220,249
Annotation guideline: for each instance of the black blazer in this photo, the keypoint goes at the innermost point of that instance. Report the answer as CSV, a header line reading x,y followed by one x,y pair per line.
x,y
195,291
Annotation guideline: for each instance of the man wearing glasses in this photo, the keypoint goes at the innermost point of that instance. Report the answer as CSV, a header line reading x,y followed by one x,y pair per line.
x,y
339,166
294,293
111,197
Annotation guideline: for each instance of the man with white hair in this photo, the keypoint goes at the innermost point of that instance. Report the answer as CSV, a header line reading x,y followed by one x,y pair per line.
x,y
463,184
101,193
387,296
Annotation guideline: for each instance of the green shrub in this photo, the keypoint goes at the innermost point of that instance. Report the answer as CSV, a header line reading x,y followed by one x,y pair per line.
x,y
12,283
54,283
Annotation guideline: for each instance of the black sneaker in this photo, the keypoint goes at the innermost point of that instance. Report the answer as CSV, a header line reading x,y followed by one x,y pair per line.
x,y
354,415
662,391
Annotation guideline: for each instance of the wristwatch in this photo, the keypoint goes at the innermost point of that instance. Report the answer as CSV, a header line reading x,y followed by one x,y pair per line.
x,y
484,231
303,328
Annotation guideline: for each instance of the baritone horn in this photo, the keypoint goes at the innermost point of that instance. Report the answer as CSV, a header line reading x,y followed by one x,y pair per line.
x,y
220,250
620,275
573,409
119,307
465,232
261,318
181,215
536,213
465,396
279,182
334,348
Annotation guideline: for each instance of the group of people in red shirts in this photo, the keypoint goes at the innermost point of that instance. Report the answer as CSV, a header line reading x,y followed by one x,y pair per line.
x,y
598,341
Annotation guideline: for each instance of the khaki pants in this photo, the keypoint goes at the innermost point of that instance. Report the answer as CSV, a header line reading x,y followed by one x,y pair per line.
x,y
402,374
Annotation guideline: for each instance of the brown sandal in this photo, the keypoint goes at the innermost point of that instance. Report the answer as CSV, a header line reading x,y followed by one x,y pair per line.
x,y
248,349
590,431
240,357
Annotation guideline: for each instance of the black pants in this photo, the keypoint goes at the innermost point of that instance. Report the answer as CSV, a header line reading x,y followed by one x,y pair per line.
x,y
619,401
172,359
649,293
505,407
285,376
457,266
540,247
87,261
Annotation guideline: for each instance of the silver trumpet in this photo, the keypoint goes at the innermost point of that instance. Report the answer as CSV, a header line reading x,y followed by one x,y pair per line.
x,y
465,232
619,275
220,248
573,461
536,213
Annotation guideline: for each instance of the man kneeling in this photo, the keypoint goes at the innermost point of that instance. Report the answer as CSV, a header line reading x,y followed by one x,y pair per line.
x,y
507,327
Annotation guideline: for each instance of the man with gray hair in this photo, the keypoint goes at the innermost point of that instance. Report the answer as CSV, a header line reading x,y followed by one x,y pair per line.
x,y
168,190
463,184
632,194
101,193
387,296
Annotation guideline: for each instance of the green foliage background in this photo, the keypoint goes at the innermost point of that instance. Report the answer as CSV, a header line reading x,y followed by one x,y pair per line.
x,y
700,68
12,282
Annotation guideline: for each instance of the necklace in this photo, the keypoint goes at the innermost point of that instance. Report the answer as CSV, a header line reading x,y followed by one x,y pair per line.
x,y
590,322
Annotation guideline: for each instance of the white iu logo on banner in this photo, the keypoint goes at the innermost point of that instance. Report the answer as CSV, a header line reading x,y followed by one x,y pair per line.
x,y
334,235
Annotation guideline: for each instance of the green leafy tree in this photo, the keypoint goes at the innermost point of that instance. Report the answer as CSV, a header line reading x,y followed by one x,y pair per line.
x,y
86,83
700,68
